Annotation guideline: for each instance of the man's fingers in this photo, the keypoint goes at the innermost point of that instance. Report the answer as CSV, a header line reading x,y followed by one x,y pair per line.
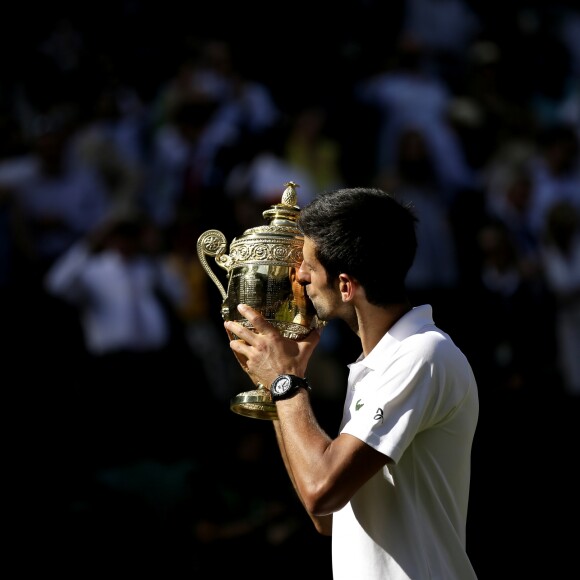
x,y
241,350
241,358
254,318
257,321
236,330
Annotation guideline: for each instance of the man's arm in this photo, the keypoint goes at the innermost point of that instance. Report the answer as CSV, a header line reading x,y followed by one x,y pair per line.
x,y
323,524
325,472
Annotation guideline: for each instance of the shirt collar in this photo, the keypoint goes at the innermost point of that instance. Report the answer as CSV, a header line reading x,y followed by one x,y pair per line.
x,y
410,323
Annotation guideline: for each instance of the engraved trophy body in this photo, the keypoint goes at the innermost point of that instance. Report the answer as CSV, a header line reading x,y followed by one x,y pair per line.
x,y
262,272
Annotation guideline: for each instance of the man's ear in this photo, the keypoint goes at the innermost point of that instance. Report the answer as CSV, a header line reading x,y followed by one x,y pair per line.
x,y
346,285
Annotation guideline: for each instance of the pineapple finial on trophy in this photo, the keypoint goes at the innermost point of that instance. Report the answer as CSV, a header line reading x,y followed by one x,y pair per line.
x,y
289,196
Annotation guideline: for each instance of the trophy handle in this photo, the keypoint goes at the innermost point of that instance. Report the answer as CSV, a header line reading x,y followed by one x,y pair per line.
x,y
213,243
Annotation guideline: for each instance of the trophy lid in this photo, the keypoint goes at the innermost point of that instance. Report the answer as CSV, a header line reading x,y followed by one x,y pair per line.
x,y
286,212
277,243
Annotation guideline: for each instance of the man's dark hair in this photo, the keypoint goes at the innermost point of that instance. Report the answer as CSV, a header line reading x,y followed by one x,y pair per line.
x,y
365,233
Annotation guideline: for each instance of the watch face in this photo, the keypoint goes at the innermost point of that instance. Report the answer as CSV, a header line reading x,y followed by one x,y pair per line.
x,y
281,385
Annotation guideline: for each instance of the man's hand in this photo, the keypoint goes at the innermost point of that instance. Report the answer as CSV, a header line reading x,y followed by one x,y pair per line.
x,y
264,353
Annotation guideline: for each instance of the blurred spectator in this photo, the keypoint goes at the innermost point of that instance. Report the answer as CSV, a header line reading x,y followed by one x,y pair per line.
x,y
60,199
125,294
199,313
490,89
514,342
509,162
238,108
210,69
182,162
555,172
561,261
406,96
467,122
434,276
568,110
310,146
113,279
510,204
568,30
112,139
444,29
257,181
549,44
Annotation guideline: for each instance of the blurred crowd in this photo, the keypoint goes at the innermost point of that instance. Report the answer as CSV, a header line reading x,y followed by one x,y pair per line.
x,y
127,130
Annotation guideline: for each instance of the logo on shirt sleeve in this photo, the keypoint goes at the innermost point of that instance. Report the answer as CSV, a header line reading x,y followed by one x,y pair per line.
x,y
358,405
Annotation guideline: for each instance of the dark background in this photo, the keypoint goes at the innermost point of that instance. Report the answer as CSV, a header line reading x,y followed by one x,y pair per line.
x,y
145,520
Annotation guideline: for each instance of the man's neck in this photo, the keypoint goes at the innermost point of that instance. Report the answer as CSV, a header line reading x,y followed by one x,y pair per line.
x,y
375,321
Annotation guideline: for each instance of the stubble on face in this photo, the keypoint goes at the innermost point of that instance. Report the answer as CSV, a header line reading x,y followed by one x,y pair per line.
x,y
322,292
326,300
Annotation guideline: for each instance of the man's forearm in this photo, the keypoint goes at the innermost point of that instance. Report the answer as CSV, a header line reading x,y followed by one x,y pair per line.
x,y
323,524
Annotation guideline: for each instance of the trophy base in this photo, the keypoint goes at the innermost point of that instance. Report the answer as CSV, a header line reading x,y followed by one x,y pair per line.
x,y
256,404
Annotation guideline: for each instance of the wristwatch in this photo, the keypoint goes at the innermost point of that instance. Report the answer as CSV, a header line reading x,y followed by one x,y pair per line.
x,y
284,386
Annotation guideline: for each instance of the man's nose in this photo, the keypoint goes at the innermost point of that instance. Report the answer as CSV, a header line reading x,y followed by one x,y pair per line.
x,y
302,276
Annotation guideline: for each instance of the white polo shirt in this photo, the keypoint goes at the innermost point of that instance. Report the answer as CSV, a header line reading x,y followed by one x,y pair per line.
x,y
413,398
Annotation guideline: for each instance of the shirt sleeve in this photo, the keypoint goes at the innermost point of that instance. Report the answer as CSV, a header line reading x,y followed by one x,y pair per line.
x,y
64,277
391,406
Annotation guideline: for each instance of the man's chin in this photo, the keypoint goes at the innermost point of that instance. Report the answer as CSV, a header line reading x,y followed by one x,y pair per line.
x,y
322,317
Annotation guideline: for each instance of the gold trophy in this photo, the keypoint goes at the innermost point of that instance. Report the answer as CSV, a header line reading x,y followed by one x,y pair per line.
x,y
262,271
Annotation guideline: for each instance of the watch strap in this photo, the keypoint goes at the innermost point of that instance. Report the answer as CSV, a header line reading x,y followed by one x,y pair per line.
x,y
296,383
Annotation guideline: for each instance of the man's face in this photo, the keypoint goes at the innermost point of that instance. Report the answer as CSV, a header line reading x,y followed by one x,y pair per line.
x,y
324,294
